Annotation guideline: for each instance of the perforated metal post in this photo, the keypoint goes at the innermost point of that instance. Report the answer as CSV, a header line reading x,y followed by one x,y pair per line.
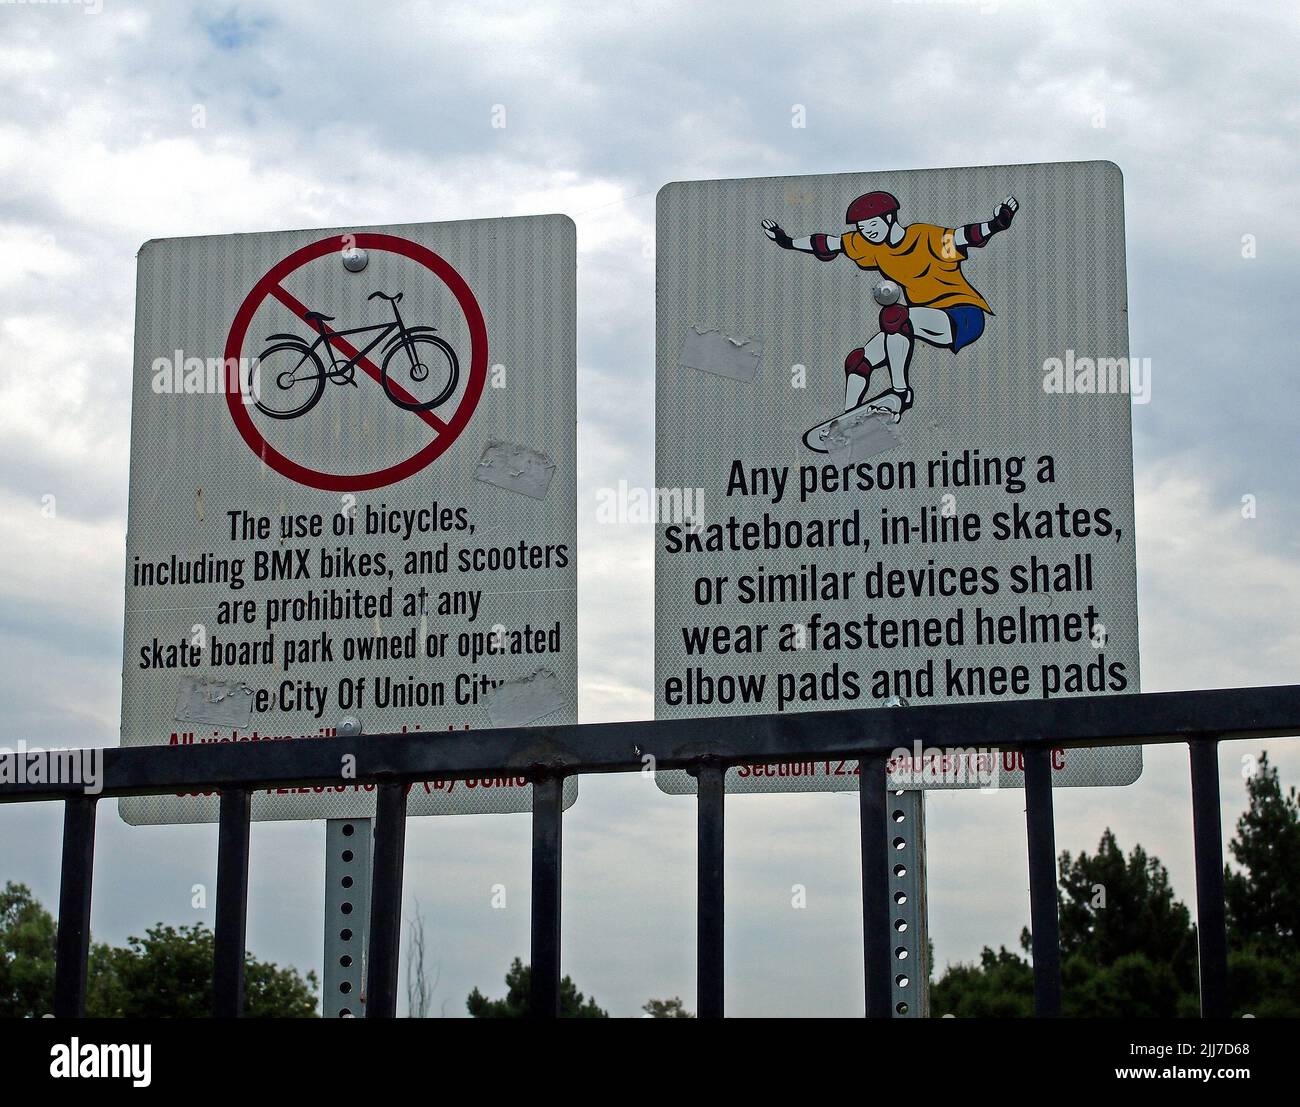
x,y
909,933
347,916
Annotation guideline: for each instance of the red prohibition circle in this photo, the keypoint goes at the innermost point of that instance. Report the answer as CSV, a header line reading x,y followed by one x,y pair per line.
x,y
358,482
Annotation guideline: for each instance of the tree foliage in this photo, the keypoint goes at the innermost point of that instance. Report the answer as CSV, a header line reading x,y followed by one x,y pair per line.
x,y
573,1005
666,1009
26,954
1128,945
167,974
1263,899
1111,906
1001,986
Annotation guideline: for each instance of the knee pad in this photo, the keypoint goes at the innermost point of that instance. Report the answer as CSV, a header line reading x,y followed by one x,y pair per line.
x,y
857,362
894,320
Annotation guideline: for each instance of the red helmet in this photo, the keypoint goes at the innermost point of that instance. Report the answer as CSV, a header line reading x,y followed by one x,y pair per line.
x,y
871,205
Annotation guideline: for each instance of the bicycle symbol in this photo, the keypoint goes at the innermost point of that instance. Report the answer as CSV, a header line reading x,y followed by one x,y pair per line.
x,y
415,362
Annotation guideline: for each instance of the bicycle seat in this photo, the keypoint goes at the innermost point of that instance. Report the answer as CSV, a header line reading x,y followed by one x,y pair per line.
x,y
385,296
317,317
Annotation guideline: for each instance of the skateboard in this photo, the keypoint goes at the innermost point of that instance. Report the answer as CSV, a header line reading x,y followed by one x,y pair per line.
x,y
838,431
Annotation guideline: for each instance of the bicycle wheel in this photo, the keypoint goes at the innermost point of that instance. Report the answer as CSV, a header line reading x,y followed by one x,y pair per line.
x,y
425,383
289,380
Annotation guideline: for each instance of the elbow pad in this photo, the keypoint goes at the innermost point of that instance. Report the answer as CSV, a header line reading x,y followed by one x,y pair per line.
x,y
821,248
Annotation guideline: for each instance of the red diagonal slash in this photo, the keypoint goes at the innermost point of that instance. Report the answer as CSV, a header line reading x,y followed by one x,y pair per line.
x,y
350,352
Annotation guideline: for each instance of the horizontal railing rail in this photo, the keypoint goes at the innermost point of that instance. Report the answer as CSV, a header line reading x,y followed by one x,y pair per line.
x,y
706,747
1080,722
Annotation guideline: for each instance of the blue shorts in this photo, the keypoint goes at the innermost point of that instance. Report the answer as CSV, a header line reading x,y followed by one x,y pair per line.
x,y
967,324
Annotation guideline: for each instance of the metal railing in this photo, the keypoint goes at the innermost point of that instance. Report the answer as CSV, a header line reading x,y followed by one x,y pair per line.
x,y
705,747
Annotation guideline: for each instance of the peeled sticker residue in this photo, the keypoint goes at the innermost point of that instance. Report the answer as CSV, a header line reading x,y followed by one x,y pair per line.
x,y
520,702
715,352
858,436
220,702
516,469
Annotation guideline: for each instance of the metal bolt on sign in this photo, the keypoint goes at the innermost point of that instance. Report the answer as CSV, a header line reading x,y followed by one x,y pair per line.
x,y
347,916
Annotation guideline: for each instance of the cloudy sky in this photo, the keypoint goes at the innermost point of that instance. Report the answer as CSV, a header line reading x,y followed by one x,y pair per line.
x,y
128,121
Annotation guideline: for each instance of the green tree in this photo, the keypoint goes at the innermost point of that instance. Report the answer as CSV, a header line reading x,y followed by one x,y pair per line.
x,y
1264,984
26,954
1001,986
1133,986
1263,899
573,1005
1129,947
166,974
1111,906
666,1009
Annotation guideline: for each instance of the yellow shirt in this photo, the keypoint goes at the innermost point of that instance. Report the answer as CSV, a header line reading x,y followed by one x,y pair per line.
x,y
926,263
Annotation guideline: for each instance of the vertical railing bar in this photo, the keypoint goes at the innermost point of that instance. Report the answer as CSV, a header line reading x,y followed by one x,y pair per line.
x,y
710,889
232,904
1211,922
386,901
877,952
1044,921
72,945
544,957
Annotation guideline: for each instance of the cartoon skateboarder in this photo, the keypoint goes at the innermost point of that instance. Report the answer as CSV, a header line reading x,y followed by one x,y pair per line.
x,y
925,295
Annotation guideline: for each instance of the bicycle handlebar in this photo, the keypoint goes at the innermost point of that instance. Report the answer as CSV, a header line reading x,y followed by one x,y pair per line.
x,y
385,296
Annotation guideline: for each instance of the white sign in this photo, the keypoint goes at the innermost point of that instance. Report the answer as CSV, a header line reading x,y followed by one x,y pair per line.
x,y
898,407
352,496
